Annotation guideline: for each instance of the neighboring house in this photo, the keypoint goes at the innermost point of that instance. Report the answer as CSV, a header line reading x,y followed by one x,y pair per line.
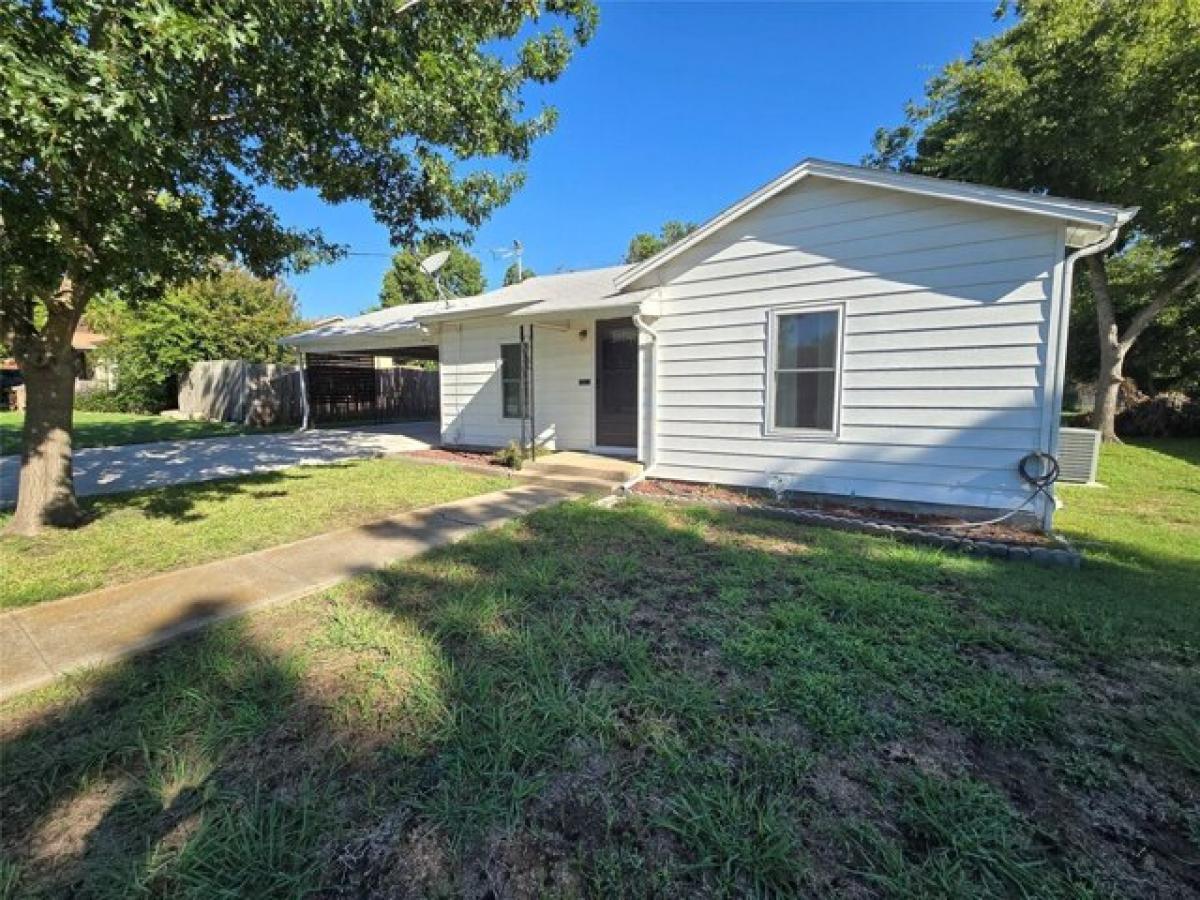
x,y
841,331
90,373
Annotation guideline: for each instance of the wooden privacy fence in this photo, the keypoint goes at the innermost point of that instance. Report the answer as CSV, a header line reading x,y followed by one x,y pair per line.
x,y
232,390
339,390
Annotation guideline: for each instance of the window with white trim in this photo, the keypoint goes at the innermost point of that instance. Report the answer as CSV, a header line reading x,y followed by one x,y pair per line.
x,y
805,378
512,382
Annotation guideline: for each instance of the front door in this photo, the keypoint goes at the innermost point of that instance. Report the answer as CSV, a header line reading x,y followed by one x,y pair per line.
x,y
616,383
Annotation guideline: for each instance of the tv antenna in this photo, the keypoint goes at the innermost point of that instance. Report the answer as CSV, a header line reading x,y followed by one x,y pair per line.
x,y
513,252
431,265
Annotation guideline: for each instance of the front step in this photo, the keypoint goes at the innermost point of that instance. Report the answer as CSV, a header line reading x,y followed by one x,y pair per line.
x,y
575,483
584,466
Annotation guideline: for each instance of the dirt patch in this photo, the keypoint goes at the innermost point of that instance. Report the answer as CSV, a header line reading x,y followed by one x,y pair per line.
x,y
67,830
1023,668
392,859
1130,829
938,751
519,866
764,499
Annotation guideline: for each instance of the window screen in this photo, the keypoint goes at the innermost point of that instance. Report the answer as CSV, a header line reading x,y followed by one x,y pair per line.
x,y
806,359
511,383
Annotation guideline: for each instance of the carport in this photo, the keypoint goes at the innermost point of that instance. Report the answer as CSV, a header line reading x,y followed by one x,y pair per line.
x,y
381,367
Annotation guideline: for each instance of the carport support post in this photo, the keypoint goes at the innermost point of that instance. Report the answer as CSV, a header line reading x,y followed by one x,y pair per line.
x,y
521,383
532,410
304,391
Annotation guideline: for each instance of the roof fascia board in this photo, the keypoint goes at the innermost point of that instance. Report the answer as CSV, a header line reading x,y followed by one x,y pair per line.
x,y
600,309
1001,198
474,312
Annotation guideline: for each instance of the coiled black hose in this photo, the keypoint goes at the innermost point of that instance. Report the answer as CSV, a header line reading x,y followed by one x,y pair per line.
x,y
1037,469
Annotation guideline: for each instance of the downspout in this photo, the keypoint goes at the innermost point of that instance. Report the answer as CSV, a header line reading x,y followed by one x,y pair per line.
x,y
1060,362
652,430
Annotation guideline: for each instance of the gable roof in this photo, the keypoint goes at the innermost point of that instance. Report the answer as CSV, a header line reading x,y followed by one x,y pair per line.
x,y
1087,221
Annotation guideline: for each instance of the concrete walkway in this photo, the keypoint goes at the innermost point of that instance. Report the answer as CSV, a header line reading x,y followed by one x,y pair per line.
x,y
135,467
38,643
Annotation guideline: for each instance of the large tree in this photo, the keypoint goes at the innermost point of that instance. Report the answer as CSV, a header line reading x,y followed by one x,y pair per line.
x,y
405,282
135,136
1092,99
645,244
231,315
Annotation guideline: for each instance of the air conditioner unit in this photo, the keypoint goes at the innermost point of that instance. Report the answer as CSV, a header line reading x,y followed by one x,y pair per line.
x,y
1078,454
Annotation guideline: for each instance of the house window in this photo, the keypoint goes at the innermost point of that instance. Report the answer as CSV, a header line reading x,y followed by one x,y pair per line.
x,y
512,384
805,355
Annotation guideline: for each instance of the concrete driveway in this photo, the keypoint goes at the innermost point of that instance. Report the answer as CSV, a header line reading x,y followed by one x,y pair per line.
x,y
135,467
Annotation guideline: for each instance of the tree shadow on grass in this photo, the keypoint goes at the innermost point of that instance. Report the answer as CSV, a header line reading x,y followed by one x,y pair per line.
x,y
179,502
105,794
587,701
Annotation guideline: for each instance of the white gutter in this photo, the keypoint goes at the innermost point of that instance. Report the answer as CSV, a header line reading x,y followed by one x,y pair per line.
x,y
1060,360
652,430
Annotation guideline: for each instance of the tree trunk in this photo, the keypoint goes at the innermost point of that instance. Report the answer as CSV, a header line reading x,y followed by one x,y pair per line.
x,y
1114,345
1112,354
1108,386
46,495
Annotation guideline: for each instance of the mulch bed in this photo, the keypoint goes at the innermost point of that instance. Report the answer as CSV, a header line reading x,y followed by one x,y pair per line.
x,y
683,490
467,457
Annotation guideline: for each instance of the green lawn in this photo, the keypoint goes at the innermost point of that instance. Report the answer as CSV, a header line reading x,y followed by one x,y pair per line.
x,y
132,535
110,429
655,701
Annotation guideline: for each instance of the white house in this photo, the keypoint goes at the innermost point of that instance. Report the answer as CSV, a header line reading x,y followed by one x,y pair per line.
x,y
841,331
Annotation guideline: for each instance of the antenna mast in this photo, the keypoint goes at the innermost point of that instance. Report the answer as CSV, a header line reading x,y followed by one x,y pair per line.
x,y
513,252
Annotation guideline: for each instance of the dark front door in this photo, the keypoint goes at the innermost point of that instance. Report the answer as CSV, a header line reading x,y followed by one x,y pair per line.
x,y
616,383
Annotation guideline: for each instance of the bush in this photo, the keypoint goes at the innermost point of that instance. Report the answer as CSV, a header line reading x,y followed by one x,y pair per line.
x,y
512,456
101,401
1164,415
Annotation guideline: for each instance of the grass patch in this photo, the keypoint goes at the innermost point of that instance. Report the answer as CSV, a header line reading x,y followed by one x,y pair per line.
x,y
132,535
94,429
651,701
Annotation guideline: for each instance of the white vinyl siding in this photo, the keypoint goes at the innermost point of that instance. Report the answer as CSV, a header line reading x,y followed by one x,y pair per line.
x,y
472,405
946,316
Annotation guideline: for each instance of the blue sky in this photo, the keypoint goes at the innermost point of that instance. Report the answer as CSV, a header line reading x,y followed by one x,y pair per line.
x,y
674,111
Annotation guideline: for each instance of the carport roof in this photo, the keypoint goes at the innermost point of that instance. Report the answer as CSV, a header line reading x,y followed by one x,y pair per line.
x,y
564,294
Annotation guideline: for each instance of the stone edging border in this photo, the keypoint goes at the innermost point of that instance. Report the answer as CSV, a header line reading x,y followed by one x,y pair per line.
x,y
1065,555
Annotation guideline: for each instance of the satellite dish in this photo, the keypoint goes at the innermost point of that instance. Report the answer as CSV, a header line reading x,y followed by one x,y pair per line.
x,y
432,263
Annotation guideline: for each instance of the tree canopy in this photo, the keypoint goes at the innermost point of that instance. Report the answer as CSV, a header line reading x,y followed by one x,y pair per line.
x,y
136,137
515,273
645,244
405,282
1091,99
231,315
